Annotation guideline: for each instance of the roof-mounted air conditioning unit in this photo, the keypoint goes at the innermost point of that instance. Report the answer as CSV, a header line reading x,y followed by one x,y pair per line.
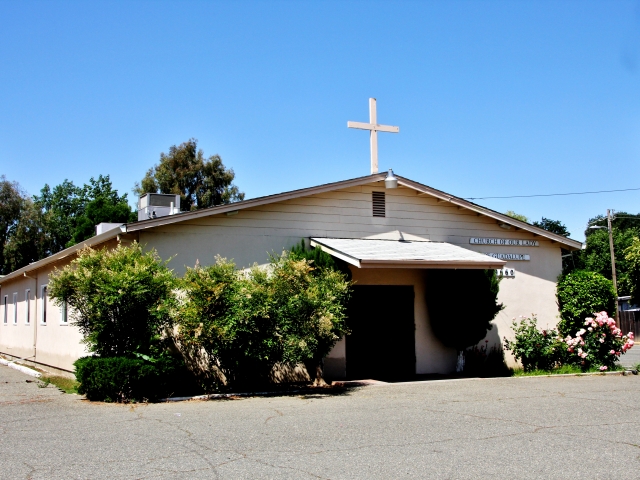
x,y
154,205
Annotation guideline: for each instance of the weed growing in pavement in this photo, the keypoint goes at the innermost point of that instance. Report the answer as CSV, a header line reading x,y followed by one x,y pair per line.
x,y
64,384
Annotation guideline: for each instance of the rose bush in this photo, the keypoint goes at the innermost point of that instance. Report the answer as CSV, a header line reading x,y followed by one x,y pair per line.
x,y
598,344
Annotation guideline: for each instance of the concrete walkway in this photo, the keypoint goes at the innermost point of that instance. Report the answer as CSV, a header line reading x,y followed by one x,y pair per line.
x,y
631,358
569,427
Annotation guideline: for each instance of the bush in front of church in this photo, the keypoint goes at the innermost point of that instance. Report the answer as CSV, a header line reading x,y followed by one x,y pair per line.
x,y
462,304
249,321
597,345
121,301
126,379
580,295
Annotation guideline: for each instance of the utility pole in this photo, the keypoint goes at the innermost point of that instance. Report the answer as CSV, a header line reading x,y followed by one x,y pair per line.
x,y
613,260
613,257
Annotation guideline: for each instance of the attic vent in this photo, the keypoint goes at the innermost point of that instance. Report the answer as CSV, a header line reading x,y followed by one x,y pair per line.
x,y
377,199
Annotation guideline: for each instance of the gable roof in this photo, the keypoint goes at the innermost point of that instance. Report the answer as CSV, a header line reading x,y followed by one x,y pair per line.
x,y
425,190
568,243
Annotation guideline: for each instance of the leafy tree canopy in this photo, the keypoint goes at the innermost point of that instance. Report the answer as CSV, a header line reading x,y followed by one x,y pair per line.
x,y
201,182
553,226
71,212
11,204
582,294
632,256
517,216
28,241
477,290
596,257
120,299
247,322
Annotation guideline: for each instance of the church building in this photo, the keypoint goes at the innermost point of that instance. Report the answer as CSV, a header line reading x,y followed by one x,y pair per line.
x,y
392,232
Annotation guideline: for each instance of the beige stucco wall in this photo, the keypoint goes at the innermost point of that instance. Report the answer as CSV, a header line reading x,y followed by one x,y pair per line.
x,y
252,234
54,344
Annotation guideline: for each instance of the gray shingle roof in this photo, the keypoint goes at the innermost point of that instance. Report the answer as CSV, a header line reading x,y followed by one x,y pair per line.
x,y
371,253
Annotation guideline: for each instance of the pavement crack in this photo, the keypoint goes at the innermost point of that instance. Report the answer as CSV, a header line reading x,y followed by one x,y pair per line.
x,y
290,468
279,414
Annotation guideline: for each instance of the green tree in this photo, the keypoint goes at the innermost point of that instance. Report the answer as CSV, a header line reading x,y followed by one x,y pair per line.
x,y
11,204
98,210
553,226
319,259
632,256
120,299
61,208
184,171
596,256
71,212
582,294
517,216
28,241
476,290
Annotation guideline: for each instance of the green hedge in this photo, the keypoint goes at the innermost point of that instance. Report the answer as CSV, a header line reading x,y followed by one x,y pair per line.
x,y
582,294
125,379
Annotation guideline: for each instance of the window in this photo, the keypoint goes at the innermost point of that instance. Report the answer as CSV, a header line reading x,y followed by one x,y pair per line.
x,y
15,308
378,202
4,304
64,319
43,301
27,306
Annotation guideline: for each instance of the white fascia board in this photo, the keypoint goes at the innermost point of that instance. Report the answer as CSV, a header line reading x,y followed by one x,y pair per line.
x,y
342,256
452,264
569,242
255,202
90,242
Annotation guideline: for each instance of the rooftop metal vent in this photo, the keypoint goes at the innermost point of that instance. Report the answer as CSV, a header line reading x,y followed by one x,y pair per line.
x,y
154,205
379,204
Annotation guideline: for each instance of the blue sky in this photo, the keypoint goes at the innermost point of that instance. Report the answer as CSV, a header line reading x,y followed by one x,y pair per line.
x,y
492,98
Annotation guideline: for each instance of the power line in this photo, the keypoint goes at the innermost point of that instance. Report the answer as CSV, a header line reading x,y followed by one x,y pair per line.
x,y
555,194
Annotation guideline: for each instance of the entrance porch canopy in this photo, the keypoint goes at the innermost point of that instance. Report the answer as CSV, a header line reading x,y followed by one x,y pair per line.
x,y
404,253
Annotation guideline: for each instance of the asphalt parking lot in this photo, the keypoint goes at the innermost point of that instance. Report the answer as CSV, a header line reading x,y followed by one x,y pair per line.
x,y
560,427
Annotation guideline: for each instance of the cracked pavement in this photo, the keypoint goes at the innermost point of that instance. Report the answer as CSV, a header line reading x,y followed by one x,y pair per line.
x,y
583,427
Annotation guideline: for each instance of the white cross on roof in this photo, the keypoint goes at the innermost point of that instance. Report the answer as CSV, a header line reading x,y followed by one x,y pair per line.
x,y
374,128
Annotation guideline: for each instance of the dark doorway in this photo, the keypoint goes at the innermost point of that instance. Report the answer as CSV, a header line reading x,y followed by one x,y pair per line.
x,y
382,341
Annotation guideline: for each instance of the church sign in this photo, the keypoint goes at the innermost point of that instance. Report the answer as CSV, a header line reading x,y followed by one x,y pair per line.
x,y
507,242
510,256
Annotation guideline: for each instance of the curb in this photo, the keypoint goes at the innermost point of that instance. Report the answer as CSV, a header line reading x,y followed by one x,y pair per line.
x,y
20,368
376,383
212,396
623,373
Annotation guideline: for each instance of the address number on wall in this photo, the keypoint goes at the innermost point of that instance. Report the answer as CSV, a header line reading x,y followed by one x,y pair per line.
x,y
506,272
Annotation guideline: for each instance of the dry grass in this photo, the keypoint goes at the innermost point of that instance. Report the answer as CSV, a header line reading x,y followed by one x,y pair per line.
x,y
67,385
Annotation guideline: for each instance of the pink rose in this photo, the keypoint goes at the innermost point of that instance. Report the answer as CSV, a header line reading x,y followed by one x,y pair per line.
x,y
603,368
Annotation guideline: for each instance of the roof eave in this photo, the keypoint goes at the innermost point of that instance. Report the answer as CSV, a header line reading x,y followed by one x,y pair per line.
x,y
90,242
448,264
255,202
568,242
